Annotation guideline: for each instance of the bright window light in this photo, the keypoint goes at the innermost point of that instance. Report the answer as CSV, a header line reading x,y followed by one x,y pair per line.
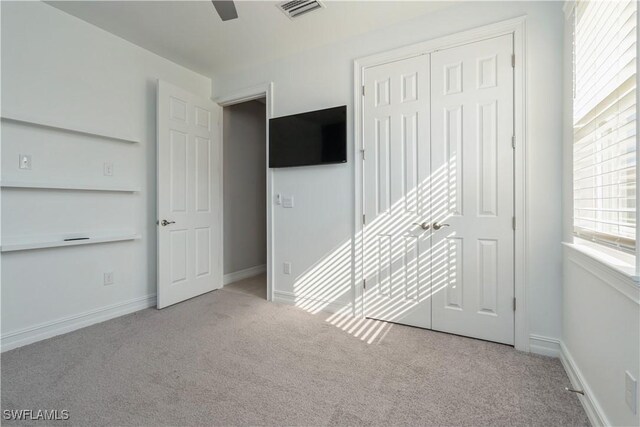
x,y
604,122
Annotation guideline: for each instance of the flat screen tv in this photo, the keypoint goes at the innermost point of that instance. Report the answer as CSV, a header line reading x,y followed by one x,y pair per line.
x,y
314,138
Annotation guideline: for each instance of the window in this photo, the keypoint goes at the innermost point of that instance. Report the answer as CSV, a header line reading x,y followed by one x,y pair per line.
x,y
604,122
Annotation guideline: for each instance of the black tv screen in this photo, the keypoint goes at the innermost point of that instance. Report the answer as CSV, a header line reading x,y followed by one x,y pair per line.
x,y
314,138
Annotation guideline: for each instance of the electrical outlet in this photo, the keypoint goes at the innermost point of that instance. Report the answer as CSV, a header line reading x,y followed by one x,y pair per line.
x,y
24,161
630,391
286,268
108,278
108,168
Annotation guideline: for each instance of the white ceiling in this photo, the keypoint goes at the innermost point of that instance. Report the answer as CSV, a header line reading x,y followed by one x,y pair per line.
x,y
192,34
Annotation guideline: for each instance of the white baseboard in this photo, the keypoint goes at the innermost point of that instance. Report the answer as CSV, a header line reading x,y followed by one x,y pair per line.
x,y
589,403
46,330
243,274
544,345
290,298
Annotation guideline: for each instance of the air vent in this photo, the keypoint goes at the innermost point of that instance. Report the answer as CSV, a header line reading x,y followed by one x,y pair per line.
x,y
296,8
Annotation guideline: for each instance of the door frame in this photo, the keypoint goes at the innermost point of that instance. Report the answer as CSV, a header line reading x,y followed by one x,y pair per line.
x,y
264,90
517,28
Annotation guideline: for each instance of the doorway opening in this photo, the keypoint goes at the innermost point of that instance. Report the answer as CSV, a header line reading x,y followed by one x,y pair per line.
x,y
244,197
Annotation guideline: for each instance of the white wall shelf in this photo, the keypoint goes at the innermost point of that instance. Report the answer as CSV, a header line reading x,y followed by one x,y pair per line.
x,y
65,127
61,243
74,187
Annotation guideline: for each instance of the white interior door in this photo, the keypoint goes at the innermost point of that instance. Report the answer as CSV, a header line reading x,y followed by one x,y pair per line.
x,y
396,179
437,136
189,195
472,160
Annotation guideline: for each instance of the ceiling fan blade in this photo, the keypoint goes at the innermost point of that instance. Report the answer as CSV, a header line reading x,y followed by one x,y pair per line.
x,y
226,9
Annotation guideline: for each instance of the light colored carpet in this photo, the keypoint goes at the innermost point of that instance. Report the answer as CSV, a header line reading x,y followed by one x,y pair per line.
x,y
231,358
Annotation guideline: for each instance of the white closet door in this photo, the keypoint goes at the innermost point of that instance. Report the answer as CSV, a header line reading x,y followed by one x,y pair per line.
x,y
189,195
472,190
396,192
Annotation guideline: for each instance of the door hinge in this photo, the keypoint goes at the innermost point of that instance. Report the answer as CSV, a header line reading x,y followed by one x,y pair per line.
x,y
513,142
514,303
364,284
513,222
362,90
364,219
513,60
363,155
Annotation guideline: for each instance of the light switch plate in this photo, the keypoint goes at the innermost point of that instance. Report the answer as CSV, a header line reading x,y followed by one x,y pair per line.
x,y
286,268
287,201
108,168
24,161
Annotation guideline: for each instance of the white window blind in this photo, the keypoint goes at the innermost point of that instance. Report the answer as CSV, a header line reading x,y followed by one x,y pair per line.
x,y
604,119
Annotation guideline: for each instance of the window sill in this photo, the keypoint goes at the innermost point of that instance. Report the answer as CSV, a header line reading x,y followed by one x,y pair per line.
x,y
609,261
618,273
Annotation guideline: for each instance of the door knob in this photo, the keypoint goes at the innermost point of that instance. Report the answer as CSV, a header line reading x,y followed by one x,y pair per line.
x,y
164,222
437,226
423,225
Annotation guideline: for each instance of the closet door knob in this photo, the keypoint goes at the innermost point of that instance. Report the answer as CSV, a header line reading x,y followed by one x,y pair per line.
x,y
437,226
423,225
164,222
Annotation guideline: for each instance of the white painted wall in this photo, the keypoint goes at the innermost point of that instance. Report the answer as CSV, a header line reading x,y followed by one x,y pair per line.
x,y
245,211
57,67
601,334
601,324
317,235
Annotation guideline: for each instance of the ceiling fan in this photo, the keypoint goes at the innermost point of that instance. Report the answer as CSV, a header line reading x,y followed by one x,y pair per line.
x,y
291,8
226,9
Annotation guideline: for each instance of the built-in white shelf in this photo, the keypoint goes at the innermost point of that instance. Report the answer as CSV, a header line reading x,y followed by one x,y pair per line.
x,y
25,246
71,187
65,127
